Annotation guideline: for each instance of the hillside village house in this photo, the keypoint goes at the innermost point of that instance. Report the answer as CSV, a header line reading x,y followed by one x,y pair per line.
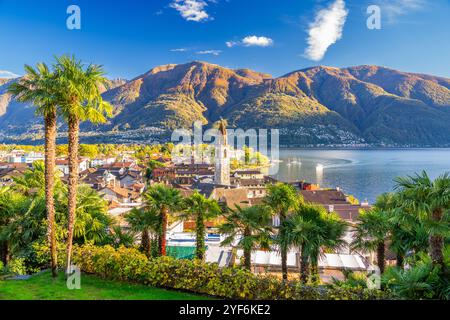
x,y
10,171
19,156
63,165
101,161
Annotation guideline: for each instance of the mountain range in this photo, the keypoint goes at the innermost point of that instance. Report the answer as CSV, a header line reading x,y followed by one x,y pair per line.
x,y
318,106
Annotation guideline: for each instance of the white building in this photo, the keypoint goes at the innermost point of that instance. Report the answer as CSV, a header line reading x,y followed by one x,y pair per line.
x,y
98,162
26,157
63,165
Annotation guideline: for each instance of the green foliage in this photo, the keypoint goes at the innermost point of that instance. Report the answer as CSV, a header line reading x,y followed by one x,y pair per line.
x,y
78,89
88,150
251,225
16,266
201,209
371,230
421,281
310,229
352,280
23,219
145,222
195,276
282,198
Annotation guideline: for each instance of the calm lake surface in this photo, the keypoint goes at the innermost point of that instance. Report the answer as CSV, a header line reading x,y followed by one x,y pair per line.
x,y
362,173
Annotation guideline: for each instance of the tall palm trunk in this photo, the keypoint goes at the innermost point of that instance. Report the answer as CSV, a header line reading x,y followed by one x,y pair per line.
x,y
399,260
154,245
437,242
314,266
315,278
304,267
200,236
74,127
145,243
162,238
247,251
283,251
380,256
50,154
4,252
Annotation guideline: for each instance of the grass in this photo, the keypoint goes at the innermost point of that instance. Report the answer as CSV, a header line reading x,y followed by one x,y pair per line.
x,y
43,287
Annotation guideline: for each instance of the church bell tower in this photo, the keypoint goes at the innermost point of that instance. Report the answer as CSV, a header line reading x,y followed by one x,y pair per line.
x,y
222,157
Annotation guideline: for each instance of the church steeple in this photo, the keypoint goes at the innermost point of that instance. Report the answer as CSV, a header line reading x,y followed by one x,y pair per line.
x,y
222,156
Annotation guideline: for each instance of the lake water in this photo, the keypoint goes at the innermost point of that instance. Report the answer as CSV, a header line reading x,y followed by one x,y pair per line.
x,y
362,173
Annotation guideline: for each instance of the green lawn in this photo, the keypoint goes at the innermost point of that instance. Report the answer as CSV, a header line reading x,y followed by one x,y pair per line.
x,y
43,287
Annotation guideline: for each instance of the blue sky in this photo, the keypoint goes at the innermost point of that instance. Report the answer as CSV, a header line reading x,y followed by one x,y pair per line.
x,y
274,36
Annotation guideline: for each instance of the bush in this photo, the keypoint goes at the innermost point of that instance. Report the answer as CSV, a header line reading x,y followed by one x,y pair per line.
x,y
128,264
421,281
352,280
1,267
16,266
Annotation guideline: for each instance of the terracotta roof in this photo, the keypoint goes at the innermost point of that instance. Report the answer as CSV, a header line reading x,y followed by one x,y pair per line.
x,y
13,172
15,165
114,204
251,182
232,197
66,161
248,172
348,212
119,165
324,196
119,191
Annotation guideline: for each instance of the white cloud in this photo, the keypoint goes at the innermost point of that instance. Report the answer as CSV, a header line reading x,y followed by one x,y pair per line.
x,y
179,50
326,29
251,41
213,52
394,8
231,44
191,10
257,41
8,74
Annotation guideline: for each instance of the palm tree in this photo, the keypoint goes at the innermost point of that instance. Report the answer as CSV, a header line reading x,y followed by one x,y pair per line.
x,y
251,226
407,233
25,224
9,202
39,87
93,220
164,200
120,237
81,101
152,165
333,230
200,209
430,201
371,232
145,222
310,228
282,199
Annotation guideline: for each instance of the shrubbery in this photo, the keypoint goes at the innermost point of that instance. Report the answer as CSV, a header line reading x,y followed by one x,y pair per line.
x,y
423,281
235,283
16,266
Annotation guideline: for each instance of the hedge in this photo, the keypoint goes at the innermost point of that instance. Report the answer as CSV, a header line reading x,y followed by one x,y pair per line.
x,y
127,264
